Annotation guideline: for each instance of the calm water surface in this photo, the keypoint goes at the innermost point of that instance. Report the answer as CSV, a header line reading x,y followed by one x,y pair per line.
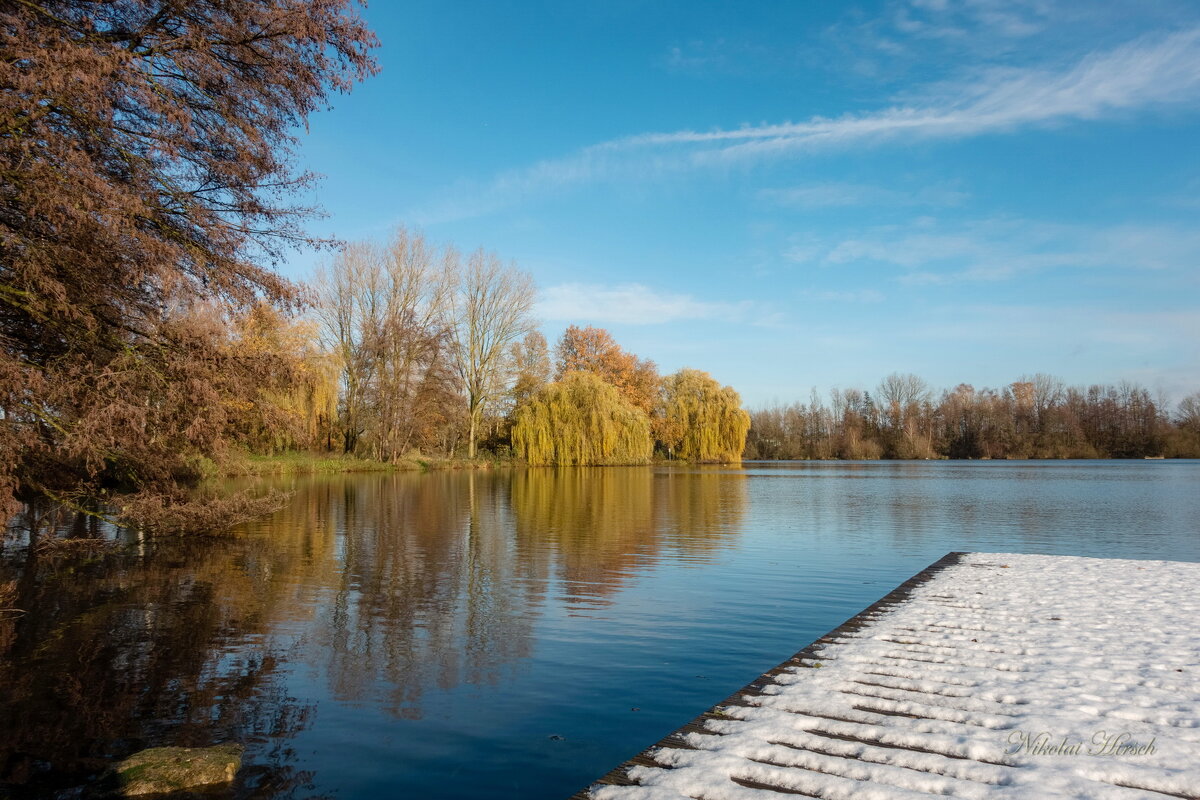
x,y
511,634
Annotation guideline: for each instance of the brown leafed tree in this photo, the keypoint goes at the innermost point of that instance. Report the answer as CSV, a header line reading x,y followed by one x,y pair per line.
x,y
145,148
345,306
415,388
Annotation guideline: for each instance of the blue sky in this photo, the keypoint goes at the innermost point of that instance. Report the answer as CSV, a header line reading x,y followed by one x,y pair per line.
x,y
797,195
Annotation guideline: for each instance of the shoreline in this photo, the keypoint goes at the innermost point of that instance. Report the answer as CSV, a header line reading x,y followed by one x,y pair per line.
x,y
320,464
298,463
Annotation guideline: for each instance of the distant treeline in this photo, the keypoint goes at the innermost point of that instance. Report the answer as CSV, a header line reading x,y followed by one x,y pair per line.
x,y
1037,417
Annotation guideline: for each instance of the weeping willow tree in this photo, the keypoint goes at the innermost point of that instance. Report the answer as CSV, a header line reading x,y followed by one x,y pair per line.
x,y
294,400
313,399
580,419
700,420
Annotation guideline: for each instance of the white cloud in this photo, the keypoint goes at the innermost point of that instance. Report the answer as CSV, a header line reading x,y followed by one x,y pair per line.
x,y
911,37
1098,326
697,56
630,304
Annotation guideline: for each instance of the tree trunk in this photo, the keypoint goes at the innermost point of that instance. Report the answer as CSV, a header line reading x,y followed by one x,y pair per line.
x,y
471,437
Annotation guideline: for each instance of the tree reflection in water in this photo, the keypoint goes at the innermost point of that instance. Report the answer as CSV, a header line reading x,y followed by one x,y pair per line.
x,y
120,649
594,527
385,587
424,595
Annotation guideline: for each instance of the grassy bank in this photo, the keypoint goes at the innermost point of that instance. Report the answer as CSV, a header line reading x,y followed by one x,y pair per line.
x,y
326,463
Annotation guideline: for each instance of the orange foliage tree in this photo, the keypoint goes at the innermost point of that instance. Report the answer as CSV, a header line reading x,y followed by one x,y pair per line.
x,y
594,350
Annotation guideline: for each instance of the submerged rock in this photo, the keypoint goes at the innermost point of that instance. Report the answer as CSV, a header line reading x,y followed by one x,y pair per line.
x,y
161,770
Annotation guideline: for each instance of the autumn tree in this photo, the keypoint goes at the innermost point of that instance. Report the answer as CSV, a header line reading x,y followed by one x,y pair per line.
x,y
1034,417
793,431
1184,441
414,388
530,359
492,310
385,312
145,148
343,305
579,420
901,399
856,435
705,422
293,402
1188,413
594,350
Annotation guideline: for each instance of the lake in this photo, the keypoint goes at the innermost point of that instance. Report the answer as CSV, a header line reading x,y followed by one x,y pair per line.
x,y
505,634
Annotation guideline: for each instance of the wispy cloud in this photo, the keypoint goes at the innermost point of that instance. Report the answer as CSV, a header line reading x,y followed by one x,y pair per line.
x,y
927,251
941,20
729,56
630,304
1154,71
915,36
1151,71
1097,327
840,195
847,296
698,56
1186,197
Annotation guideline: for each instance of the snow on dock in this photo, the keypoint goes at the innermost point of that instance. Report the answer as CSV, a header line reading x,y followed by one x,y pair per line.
x,y
985,676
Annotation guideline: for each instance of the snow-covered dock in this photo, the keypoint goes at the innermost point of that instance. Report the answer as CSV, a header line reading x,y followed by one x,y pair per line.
x,y
985,676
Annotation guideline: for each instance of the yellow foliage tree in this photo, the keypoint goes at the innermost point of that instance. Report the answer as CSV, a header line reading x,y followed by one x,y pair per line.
x,y
579,420
295,401
700,420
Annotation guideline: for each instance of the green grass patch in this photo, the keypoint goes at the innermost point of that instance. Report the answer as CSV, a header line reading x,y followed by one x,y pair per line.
x,y
296,463
308,464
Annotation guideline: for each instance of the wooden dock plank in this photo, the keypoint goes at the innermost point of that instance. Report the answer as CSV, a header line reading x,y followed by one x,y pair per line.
x,y
806,657
920,707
